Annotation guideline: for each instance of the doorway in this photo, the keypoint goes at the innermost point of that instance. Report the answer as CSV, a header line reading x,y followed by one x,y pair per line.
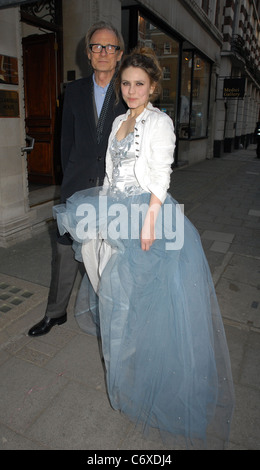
x,y
42,64
41,86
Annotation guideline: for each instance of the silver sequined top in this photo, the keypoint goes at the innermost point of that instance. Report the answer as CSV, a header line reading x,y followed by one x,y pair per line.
x,y
123,158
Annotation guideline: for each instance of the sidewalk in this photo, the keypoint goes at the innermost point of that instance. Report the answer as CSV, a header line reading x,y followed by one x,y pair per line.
x,y
52,388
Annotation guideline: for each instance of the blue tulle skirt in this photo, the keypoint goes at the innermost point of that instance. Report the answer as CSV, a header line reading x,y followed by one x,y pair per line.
x,y
163,340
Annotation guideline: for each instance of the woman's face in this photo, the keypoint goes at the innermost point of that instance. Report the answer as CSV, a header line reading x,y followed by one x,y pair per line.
x,y
136,88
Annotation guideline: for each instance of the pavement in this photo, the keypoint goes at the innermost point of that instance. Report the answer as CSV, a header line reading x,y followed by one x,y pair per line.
x,y
52,388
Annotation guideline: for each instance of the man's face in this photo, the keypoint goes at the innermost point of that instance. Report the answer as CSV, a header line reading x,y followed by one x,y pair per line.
x,y
102,61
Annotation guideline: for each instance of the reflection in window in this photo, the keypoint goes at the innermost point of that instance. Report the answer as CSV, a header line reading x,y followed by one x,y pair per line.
x,y
166,73
194,96
195,79
185,94
200,93
167,50
166,94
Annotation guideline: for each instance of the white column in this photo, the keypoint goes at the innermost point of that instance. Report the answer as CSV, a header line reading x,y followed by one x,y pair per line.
x,y
14,210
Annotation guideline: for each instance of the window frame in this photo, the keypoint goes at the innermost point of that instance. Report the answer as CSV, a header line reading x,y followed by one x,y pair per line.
x,y
195,52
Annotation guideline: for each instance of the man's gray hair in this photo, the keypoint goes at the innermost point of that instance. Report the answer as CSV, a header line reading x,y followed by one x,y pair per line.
x,y
104,25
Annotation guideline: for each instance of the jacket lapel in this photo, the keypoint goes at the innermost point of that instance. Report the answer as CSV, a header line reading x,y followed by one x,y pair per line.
x,y
88,98
106,114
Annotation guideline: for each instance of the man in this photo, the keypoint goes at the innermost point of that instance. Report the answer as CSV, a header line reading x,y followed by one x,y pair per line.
x,y
88,113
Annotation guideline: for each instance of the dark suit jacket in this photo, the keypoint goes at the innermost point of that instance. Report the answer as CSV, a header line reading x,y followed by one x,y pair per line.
x,y
83,159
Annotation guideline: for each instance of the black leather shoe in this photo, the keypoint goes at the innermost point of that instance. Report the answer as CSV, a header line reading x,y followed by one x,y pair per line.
x,y
46,324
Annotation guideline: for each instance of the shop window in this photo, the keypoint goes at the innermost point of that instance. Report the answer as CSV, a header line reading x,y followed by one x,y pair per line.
x,y
194,96
186,79
200,96
167,51
185,95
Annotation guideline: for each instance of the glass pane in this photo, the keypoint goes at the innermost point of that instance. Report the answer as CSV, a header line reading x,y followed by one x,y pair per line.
x,y
200,94
186,78
167,50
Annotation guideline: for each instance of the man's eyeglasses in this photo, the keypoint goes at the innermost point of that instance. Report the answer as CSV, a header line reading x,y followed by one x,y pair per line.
x,y
110,49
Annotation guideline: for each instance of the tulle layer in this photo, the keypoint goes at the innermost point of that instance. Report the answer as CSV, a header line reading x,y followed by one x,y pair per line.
x,y
163,340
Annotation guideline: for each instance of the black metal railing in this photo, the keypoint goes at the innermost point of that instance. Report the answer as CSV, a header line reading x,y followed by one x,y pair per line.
x,y
238,47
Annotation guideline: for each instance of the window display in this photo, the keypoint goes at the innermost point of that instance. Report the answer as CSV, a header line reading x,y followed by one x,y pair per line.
x,y
167,50
194,95
186,74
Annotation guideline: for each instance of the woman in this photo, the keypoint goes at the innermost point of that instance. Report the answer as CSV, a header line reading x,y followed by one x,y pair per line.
x,y
163,341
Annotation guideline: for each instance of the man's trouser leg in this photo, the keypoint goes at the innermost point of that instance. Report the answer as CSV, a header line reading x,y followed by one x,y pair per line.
x,y
64,271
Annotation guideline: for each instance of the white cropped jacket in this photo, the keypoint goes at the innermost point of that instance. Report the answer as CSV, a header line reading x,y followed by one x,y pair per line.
x,y
154,149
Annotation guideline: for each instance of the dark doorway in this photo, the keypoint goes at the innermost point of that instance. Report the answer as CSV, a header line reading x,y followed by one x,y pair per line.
x,y
41,107
42,62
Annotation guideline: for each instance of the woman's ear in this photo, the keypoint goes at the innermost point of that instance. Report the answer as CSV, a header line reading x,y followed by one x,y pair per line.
x,y
152,88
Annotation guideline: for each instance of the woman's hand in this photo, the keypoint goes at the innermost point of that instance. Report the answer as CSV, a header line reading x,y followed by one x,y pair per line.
x,y
148,231
147,234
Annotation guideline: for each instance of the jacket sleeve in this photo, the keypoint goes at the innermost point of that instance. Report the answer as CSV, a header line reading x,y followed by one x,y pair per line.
x,y
160,156
67,131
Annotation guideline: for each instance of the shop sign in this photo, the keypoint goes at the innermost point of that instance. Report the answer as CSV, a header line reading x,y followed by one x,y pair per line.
x,y
234,88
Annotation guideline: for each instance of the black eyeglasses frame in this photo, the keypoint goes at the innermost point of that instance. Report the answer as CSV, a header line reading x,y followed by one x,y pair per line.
x,y
116,48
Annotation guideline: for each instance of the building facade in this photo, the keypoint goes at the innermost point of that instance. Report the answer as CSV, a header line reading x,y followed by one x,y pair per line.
x,y
240,64
209,52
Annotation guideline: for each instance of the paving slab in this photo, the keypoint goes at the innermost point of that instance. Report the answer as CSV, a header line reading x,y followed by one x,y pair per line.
x,y
79,418
27,390
17,296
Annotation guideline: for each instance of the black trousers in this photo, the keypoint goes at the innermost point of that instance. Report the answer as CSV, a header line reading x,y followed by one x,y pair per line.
x,y
64,272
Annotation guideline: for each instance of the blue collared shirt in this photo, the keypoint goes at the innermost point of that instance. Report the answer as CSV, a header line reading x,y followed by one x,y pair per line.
x,y
99,94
